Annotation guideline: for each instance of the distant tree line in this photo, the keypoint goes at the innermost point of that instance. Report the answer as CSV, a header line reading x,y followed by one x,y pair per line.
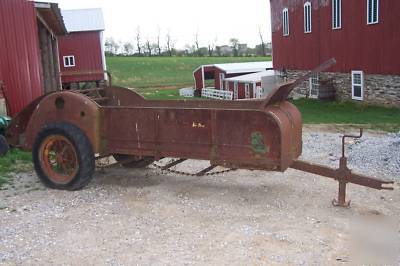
x,y
165,46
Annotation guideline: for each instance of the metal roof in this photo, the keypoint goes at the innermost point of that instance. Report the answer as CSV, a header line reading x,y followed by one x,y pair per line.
x,y
83,19
255,77
245,67
50,14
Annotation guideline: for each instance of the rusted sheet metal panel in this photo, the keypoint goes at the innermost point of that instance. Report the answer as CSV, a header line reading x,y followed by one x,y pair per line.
x,y
86,47
70,107
19,53
356,46
268,139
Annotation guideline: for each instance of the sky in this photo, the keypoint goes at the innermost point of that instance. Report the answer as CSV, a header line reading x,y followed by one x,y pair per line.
x,y
216,21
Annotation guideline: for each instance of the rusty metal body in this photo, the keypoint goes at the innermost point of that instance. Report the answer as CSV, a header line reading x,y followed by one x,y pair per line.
x,y
257,134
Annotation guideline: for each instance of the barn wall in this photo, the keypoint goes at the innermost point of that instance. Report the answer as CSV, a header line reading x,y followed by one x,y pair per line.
x,y
356,46
19,53
86,47
198,78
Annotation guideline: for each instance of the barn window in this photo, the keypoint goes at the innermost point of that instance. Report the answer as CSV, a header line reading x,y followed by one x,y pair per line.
x,y
314,86
307,17
336,14
357,85
69,61
373,11
285,22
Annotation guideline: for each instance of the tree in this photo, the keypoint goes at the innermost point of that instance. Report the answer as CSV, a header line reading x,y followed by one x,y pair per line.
x,y
262,42
111,46
211,47
158,46
169,43
218,51
138,41
235,46
196,43
128,48
149,47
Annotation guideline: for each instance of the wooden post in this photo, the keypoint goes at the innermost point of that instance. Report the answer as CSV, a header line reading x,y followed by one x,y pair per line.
x,y
45,55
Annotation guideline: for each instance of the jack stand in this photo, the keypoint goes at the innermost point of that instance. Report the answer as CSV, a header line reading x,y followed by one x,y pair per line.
x,y
341,201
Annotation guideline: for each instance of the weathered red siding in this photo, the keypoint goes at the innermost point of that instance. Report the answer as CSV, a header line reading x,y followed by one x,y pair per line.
x,y
19,53
86,47
356,46
198,78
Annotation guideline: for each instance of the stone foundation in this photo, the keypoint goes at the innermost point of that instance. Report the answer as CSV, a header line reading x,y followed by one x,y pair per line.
x,y
378,89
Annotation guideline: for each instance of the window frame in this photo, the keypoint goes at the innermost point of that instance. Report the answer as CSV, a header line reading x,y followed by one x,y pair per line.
x,y
69,57
314,86
372,22
236,90
361,73
285,22
307,17
337,24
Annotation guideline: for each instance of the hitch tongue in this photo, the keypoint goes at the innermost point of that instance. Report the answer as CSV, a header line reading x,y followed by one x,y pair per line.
x,y
343,175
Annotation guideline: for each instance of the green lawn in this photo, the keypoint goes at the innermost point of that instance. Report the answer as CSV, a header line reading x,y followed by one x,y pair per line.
x,y
373,117
15,161
158,72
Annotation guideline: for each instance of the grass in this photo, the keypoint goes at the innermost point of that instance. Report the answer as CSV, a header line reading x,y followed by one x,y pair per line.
x,y
160,94
158,72
15,161
372,117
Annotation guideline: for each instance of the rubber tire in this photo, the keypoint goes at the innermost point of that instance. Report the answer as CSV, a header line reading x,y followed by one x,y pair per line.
x,y
4,147
84,152
140,163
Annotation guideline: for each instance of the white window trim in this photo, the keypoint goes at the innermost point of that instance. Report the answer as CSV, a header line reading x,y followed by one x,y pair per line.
x,y
254,90
306,6
285,22
221,80
362,85
339,15
377,13
313,96
69,56
227,85
247,90
236,90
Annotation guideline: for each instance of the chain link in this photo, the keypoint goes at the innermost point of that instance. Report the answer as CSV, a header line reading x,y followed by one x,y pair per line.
x,y
160,167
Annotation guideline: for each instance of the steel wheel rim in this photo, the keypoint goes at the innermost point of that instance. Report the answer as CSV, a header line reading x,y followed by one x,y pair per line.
x,y
58,159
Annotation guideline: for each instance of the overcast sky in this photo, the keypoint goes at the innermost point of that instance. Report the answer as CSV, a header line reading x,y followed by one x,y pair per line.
x,y
213,19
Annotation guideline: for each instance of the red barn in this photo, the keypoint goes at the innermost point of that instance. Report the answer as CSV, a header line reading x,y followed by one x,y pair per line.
x,y
217,73
362,35
29,64
82,50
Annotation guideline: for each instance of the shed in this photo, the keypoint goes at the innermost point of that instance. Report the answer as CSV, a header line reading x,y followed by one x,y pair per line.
x,y
82,50
29,65
249,86
219,72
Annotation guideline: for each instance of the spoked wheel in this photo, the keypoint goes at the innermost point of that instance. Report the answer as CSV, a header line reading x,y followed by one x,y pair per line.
x,y
132,161
58,159
63,157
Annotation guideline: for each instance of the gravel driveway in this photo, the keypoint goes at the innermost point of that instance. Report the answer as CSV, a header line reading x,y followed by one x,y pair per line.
x,y
238,218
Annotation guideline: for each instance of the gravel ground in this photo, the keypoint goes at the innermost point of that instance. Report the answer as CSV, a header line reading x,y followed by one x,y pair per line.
x,y
242,217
